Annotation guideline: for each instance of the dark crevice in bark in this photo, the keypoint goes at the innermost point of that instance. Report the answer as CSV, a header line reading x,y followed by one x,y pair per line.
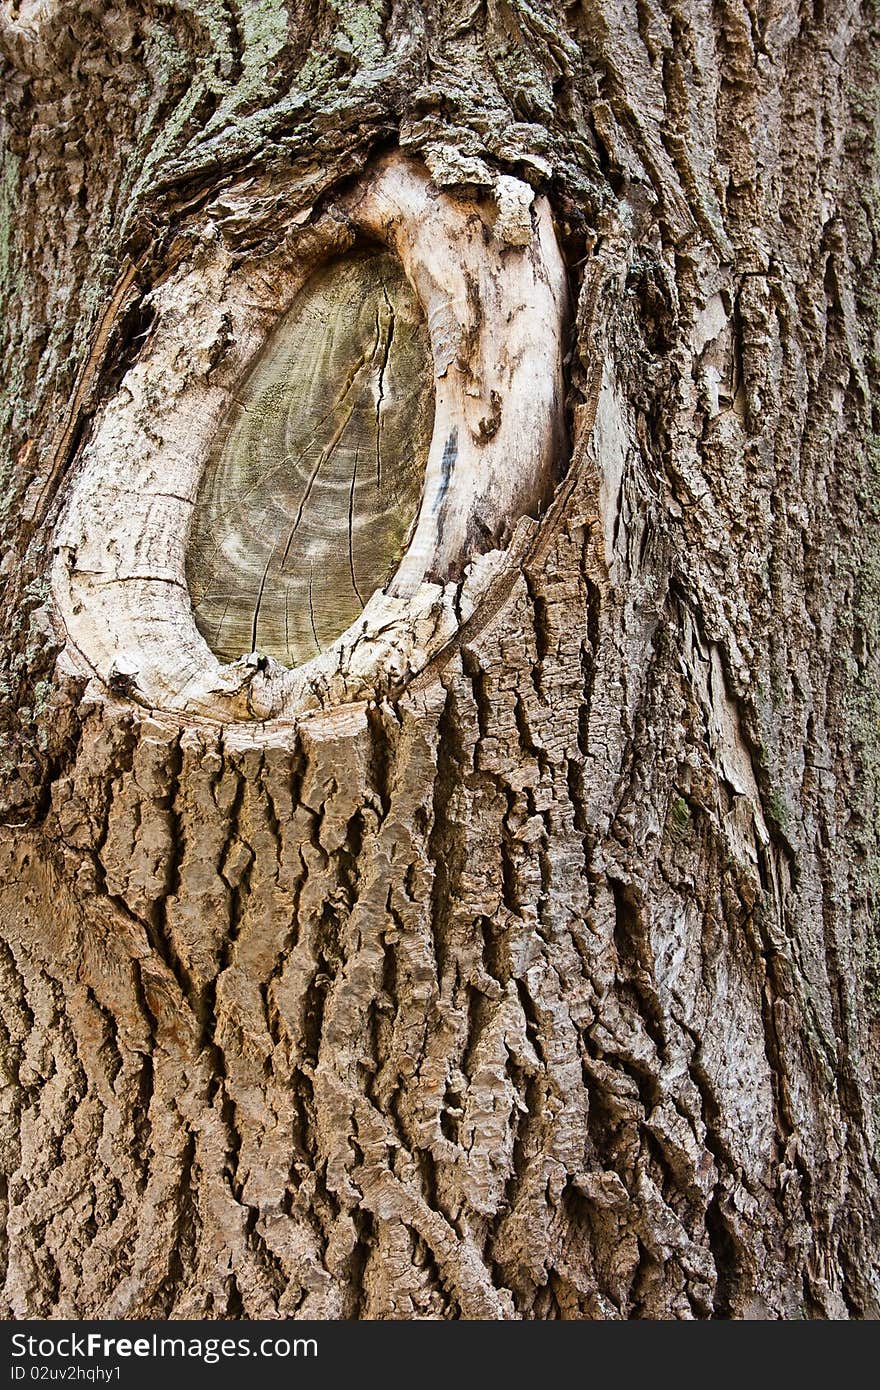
x,y
444,848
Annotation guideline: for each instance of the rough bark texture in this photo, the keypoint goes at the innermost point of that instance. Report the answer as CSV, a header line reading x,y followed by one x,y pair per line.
x,y
545,985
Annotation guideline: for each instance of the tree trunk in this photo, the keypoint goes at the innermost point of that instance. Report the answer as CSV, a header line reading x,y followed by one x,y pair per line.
x,y
528,973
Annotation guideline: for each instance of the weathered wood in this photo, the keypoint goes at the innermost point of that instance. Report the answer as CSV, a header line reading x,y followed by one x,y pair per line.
x,y
492,282
309,497
488,276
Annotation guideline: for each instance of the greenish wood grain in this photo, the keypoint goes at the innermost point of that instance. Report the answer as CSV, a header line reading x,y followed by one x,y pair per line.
x,y
310,493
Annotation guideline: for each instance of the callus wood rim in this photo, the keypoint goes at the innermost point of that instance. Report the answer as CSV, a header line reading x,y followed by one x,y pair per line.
x,y
490,282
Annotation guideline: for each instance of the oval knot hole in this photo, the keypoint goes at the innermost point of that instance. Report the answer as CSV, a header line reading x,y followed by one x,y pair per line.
x,y
311,492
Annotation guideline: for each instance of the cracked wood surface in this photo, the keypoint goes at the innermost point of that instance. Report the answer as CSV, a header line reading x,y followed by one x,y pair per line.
x,y
492,288
306,506
544,986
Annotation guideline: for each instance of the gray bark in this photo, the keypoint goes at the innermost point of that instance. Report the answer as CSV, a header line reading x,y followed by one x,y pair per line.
x,y
543,985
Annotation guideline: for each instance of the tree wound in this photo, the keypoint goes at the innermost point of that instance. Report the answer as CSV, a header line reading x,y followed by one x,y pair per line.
x,y
332,459
311,492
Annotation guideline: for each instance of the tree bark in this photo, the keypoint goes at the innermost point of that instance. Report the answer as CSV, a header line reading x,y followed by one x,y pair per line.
x,y
539,979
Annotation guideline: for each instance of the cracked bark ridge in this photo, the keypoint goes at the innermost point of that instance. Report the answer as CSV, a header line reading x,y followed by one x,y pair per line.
x,y
542,987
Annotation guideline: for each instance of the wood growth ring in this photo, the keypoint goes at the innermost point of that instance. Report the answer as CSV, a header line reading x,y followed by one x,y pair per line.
x,y
308,479
311,494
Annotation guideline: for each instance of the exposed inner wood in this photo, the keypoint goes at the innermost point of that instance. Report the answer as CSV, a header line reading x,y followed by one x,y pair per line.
x,y
495,297
343,599
308,499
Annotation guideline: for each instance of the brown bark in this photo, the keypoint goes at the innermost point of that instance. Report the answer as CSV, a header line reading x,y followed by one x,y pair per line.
x,y
539,985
